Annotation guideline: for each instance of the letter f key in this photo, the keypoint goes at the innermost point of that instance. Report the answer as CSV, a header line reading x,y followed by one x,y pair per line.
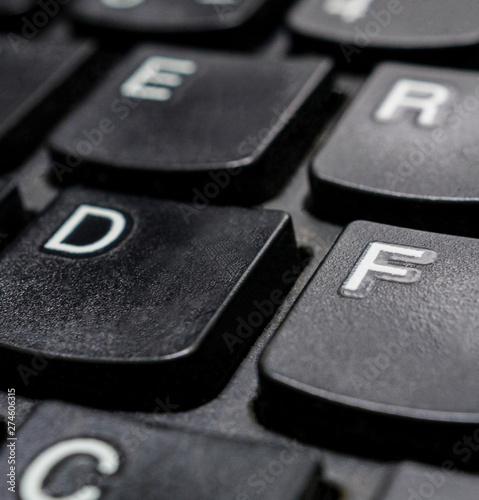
x,y
376,264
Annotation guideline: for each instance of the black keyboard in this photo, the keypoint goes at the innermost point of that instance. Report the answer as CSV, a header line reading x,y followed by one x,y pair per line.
x,y
238,250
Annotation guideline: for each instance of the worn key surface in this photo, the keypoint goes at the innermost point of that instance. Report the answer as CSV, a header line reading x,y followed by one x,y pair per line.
x,y
360,32
33,88
193,124
190,20
116,300
10,8
405,152
12,213
68,450
416,482
381,345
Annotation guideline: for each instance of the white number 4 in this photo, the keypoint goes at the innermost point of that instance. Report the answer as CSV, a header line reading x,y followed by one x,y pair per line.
x,y
349,10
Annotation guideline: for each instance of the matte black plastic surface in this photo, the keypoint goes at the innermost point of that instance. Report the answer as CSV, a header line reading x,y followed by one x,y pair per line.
x,y
356,469
360,31
174,17
157,463
394,368
402,170
437,484
15,7
166,312
12,213
33,78
225,124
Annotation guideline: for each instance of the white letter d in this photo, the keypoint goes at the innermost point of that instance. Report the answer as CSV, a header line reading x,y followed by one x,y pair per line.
x,y
57,241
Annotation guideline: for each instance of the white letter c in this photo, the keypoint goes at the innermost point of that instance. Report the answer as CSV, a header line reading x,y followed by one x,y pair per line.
x,y
31,485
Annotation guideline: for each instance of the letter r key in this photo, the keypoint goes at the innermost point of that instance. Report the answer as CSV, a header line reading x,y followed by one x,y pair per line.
x,y
427,98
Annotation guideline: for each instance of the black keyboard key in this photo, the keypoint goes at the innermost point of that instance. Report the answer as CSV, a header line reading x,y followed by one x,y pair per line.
x,y
89,454
360,31
193,125
14,410
34,83
12,213
416,482
10,8
382,345
405,152
116,300
178,18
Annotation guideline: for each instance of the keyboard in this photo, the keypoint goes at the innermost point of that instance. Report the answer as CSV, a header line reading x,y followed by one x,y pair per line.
x,y
239,250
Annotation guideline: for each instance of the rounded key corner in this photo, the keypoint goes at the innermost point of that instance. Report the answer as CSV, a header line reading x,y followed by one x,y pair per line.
x,y
278,388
